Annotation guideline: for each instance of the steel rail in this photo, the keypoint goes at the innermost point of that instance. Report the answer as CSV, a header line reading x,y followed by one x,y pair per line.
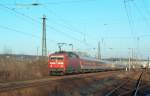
x,y
114,90
135,92
127,92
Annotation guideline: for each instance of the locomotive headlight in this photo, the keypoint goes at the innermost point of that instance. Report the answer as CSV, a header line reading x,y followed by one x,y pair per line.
x,y
52,63
61,66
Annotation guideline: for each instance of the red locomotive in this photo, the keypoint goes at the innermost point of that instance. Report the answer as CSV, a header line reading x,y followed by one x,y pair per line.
x,y
69,62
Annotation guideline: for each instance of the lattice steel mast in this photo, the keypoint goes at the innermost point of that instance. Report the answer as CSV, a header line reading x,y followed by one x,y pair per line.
x,y
44,47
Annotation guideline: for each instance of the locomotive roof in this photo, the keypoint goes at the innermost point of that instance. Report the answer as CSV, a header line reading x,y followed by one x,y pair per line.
x,y
92,59
65,52
80,56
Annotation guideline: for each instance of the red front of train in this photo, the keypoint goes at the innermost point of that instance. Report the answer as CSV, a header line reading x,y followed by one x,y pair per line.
x,y
62,62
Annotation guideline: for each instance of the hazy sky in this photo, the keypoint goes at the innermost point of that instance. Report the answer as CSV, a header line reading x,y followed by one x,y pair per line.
x,y
80,22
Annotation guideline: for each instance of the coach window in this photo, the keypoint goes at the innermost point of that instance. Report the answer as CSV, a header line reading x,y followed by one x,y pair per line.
x,y
71,55
76,56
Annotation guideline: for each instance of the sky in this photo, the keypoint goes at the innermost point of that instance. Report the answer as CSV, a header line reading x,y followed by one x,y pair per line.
x,y
119,25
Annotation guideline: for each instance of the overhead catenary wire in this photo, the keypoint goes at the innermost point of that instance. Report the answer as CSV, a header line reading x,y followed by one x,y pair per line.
x,y
17,31
34,20
17,12
146,9
21,32
70,1
142,15
50,3
140,12
69,26
66,25
129,17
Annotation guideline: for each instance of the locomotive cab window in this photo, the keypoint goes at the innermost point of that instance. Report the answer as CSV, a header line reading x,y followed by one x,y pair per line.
x,y
56,58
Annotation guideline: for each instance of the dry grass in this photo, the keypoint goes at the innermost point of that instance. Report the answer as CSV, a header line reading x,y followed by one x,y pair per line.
x,y
66,87
14,69
94,85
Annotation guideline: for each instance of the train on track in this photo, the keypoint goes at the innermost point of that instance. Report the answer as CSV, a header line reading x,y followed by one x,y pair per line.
x,y
61,63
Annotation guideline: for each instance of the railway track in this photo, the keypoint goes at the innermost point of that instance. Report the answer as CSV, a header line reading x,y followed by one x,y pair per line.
x,y
131,88
4,87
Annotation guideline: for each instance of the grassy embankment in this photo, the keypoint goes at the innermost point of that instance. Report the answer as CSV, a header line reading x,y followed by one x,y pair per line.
x,y
16,69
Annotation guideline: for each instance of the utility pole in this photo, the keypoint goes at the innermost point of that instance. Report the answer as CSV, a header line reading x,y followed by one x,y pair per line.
x,y
132,58
129,66
129,63
37,51
44,48
99,51
148,63
138,50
